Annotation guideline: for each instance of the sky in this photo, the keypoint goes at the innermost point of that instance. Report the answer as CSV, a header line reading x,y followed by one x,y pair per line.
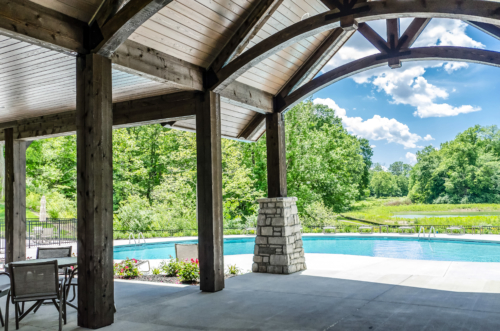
x,y
422,103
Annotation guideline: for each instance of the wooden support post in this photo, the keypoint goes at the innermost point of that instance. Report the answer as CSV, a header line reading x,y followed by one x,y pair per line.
x,y
209,193
94,121
276,156
15,198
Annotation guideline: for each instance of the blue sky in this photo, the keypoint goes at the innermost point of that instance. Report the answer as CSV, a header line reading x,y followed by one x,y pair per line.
x,y
402,110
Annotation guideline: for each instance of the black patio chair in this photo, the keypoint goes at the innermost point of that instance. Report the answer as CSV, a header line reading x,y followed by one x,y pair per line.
x,y
71,283
34,282
4,290
52,252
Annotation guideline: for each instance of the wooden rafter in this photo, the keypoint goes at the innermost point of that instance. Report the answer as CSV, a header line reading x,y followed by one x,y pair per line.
x,y
256,124
446,53
373,37
361,12
317,59
255,20
38,25
182,106
106,39
492,30
412,32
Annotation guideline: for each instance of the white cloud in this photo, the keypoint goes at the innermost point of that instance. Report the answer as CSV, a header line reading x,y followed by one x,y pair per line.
x,y
375,128
454,66
407,85
373,146
412,158
428,138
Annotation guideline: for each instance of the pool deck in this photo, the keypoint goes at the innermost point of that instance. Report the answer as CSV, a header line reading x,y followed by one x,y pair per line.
x,y
337,292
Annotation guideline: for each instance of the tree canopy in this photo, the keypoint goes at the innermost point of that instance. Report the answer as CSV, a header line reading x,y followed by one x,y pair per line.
x,y
154,172
464,170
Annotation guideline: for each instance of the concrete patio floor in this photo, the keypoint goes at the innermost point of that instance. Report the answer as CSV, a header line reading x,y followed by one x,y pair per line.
x,y
337,292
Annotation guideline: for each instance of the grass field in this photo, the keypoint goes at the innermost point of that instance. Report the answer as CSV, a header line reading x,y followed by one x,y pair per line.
x,y
29,213
383,210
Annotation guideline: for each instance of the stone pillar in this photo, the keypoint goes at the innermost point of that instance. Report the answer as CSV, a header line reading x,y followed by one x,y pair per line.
x,y
278,245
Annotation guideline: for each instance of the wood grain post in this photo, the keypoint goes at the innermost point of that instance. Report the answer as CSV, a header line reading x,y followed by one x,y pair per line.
x,y
276,156
209,193
94,120
15,198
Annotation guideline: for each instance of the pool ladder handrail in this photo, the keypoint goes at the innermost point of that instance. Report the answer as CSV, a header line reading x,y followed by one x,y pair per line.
x,y
133,237
430,231
420,231
139,237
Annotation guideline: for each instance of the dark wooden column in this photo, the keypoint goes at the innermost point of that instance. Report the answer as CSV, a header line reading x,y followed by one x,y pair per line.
x,y
15,198
209,193
276,156
94,120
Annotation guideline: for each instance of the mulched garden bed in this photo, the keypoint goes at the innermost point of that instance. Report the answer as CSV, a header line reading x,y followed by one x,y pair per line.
x,y
163,279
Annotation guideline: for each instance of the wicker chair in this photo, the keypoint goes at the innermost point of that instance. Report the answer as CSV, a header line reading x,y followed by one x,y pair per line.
x,y
34,282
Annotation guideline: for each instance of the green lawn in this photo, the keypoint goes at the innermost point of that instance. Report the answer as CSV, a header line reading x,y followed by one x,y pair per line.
x,y
383,210
29,213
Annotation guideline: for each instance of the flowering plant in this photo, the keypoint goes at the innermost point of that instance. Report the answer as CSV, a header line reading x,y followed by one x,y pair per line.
x,y
171,268
127,268
189,271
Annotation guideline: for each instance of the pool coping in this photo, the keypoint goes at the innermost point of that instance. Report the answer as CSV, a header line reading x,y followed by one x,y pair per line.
x,y
441,237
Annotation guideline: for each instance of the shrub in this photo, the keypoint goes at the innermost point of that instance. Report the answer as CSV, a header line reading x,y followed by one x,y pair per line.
x,y
233,269
189,271
171,268
127,269
156,271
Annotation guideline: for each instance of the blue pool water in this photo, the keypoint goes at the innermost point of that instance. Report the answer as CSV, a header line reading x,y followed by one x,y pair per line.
x,y
402,248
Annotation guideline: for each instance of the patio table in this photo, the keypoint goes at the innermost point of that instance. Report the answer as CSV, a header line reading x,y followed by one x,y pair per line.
x,y
62,262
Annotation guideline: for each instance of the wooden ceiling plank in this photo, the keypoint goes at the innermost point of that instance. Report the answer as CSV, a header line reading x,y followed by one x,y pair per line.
x,y
253,126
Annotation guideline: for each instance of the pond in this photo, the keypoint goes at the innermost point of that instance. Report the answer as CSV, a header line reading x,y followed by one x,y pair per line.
x,y
412,215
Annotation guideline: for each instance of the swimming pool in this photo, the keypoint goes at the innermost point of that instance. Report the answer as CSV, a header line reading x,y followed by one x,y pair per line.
x,y
393,247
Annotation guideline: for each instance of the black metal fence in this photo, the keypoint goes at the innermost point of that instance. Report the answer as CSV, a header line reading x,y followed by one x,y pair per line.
x,y
49,232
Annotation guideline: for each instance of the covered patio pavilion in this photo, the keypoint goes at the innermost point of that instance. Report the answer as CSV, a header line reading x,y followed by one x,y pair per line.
x,y
224,69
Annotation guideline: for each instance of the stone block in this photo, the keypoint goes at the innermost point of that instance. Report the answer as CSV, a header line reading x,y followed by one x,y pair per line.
x,y
294,210
278,260
266,231
290,269
262,268
263,250
257,259
287,249
261,240
261,219
274,269
267,211
265,259
277,240
278,221
271,204
255,267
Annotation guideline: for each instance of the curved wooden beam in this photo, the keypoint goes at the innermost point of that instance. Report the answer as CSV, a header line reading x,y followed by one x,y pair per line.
x,y
442,53
486,12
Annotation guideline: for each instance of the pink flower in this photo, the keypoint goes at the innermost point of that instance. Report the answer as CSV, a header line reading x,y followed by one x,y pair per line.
x,y
126,267
135,261
121,270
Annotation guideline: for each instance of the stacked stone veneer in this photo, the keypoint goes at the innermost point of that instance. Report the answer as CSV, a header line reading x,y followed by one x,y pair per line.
x,y
278,245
